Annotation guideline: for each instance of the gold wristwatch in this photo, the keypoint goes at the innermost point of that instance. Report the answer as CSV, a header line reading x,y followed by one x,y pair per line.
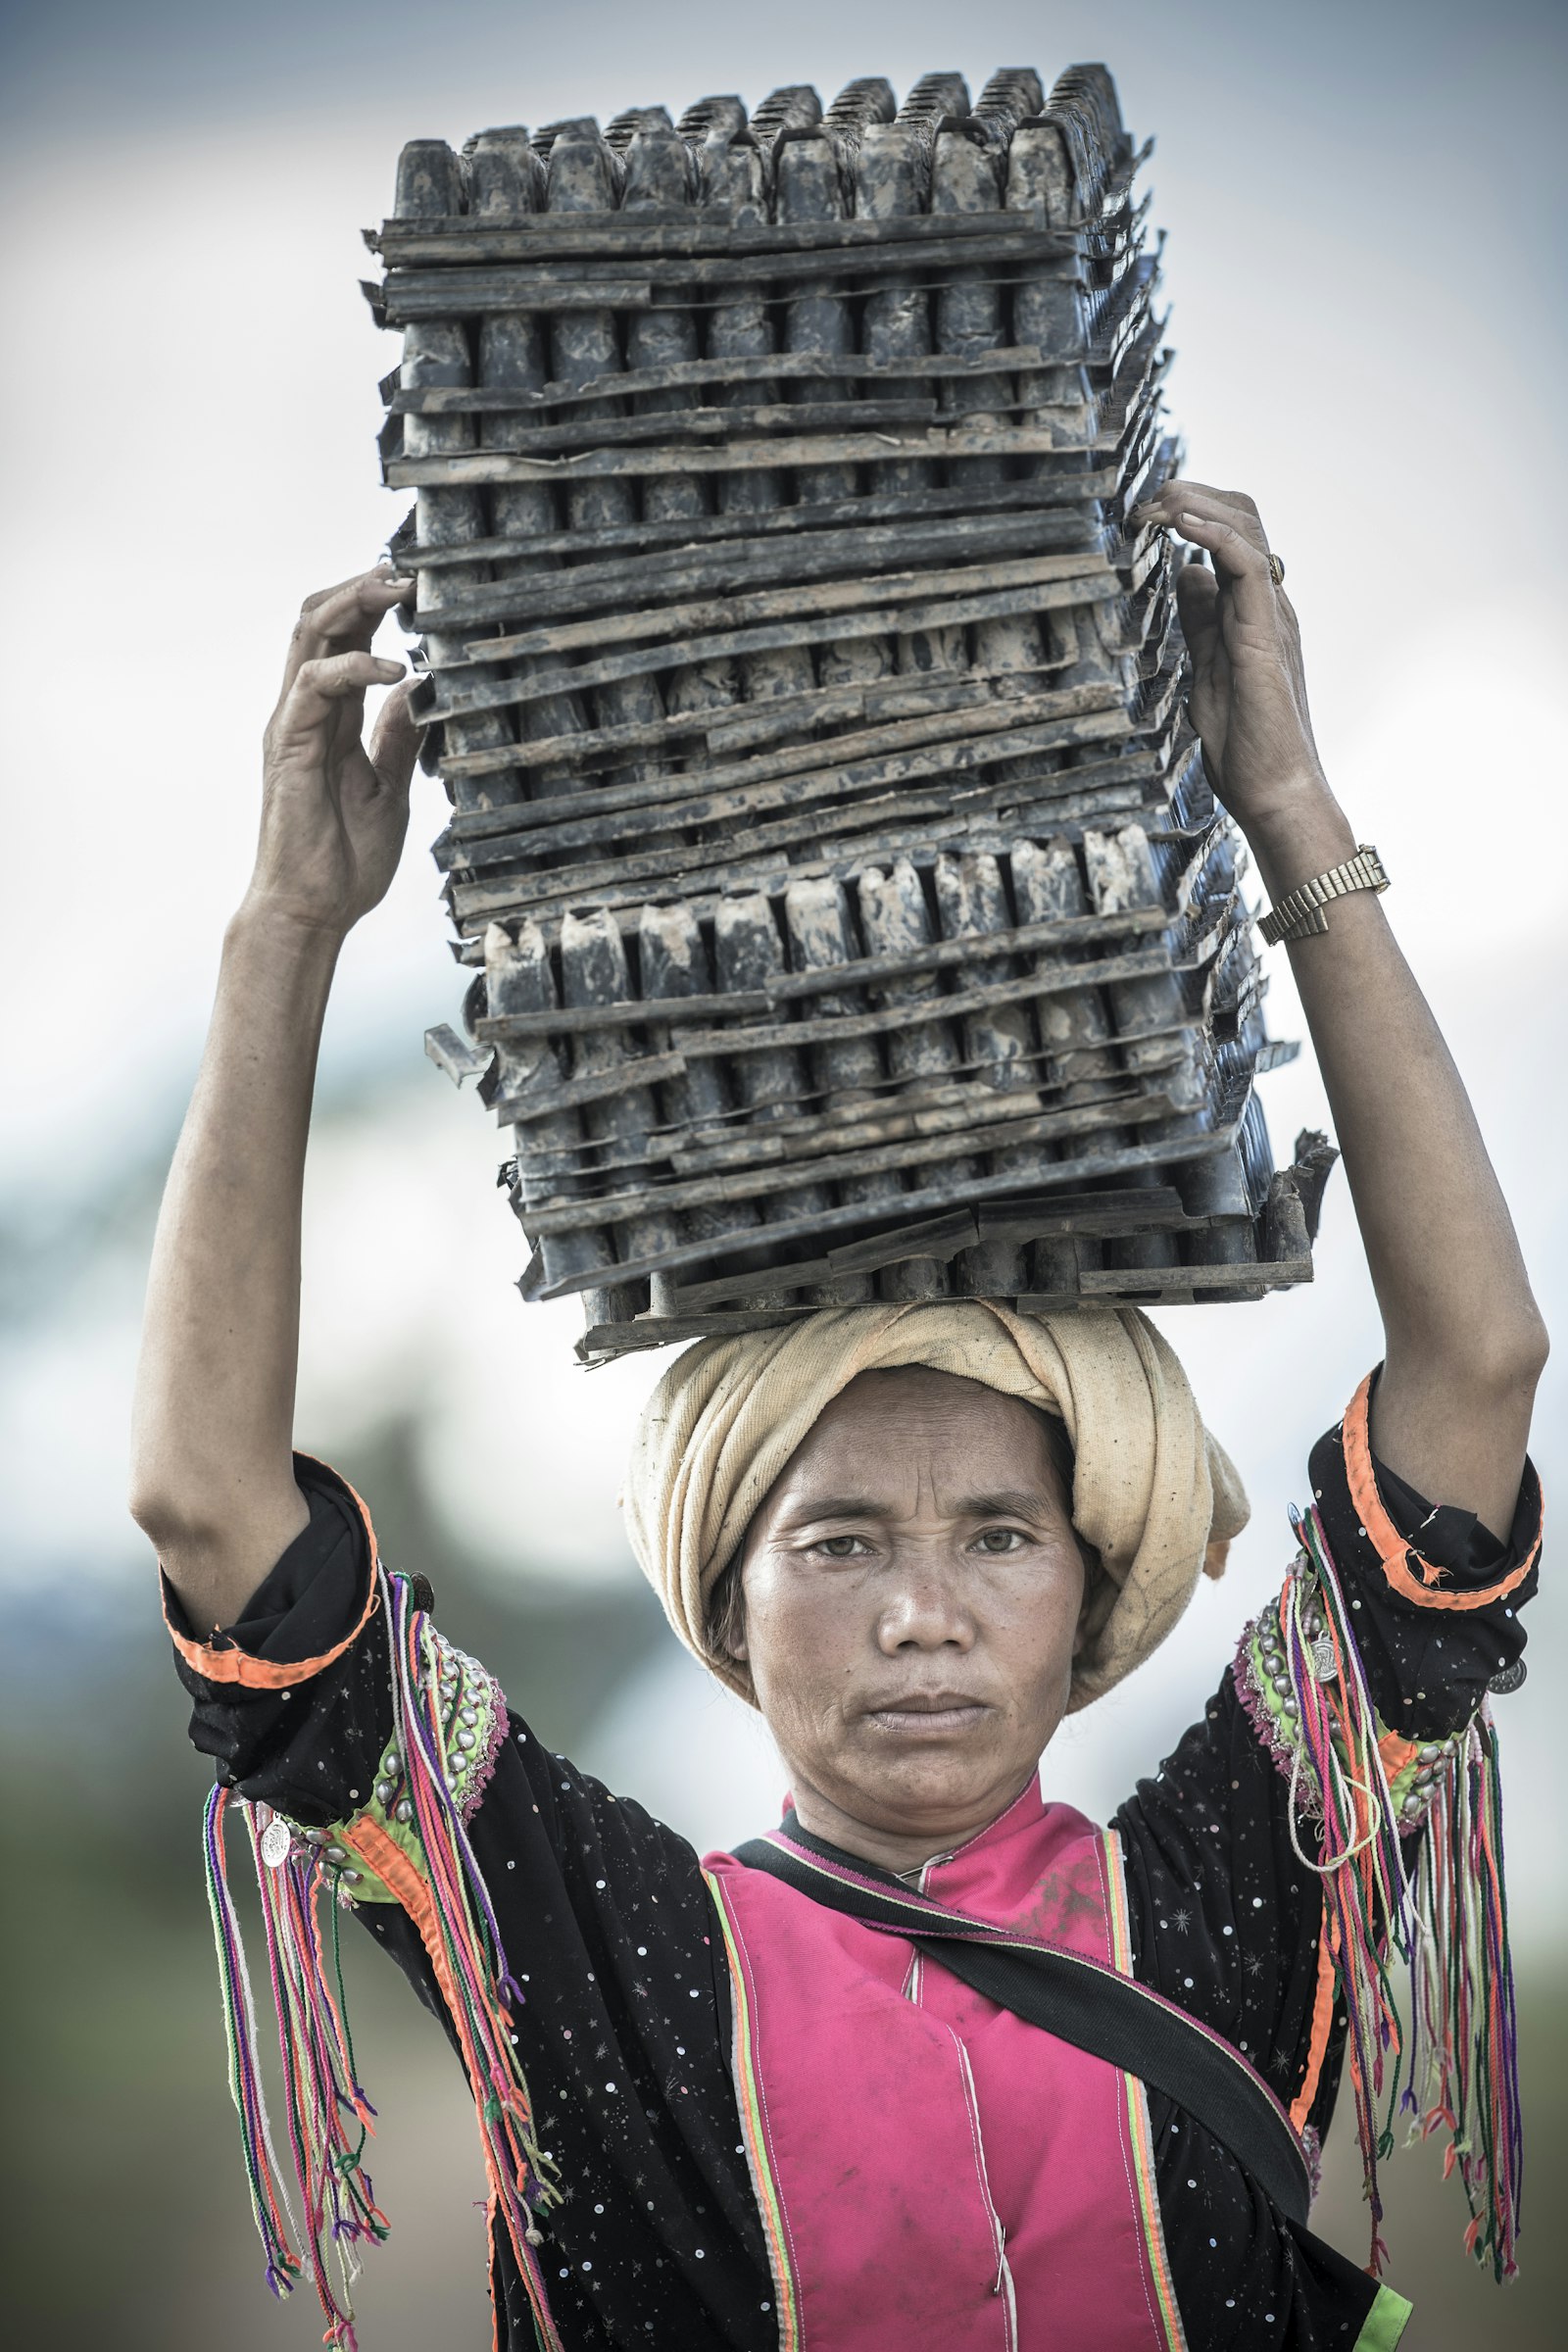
x,y
1300,914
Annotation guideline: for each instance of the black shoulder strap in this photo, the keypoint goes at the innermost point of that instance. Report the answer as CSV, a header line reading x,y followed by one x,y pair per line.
x,y
1078,1999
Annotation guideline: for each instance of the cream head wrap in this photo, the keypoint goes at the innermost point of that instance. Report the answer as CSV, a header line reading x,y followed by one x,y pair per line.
x,y
1152,1492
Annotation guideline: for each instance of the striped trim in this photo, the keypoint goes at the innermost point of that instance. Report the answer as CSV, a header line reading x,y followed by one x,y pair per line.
x,y
1322,2019
753,2128
1391,1547
1136,2097
237,1665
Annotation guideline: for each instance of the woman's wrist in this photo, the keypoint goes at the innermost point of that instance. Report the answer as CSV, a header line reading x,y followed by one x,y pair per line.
x,y
1303,833
266,925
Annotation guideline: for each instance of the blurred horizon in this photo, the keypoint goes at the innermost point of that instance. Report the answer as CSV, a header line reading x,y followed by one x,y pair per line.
x,y
1363,208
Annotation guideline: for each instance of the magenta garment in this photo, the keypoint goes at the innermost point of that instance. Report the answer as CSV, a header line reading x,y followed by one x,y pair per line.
x,y
930,2169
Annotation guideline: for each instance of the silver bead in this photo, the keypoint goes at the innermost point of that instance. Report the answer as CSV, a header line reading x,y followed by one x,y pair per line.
x,y
337,1854
1411,1806
464,1738
383,1792
405,1811
351,1877
1281,1684
1431,1753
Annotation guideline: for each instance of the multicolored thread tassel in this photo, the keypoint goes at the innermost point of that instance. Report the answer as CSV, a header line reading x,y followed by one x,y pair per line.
x,y
1447,1920
328,2117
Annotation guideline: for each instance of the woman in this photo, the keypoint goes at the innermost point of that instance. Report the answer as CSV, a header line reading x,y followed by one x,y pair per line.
x,y
734,2107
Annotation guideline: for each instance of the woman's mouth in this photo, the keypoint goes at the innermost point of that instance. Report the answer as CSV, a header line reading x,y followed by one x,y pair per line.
x,y
930,1715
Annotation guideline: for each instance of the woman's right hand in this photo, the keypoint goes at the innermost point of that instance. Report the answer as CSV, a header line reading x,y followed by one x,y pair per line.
x,y
335,813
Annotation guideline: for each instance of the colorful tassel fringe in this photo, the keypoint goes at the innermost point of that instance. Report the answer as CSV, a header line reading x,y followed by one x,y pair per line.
x,y
523,2178
328,2116
1449,1921
1465,2061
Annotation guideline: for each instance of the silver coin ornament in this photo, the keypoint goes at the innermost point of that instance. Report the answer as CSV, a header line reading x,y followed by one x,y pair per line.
x,y
276,1840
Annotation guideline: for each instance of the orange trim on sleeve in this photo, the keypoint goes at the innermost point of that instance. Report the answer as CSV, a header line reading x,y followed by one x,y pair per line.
x,y
236,1665
1322,2020
1391,1547
382,1853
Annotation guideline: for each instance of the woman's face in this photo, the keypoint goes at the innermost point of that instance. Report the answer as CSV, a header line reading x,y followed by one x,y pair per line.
x,y
912,1588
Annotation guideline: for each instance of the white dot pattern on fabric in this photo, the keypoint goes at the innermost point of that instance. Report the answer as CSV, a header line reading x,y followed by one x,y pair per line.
x,y
628,2254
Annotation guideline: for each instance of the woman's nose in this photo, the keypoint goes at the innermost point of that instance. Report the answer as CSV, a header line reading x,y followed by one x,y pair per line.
x,y
925,1609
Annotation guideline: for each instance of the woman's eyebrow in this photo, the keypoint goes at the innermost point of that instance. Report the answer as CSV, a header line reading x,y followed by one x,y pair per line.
x,y
1004,1502
847,1507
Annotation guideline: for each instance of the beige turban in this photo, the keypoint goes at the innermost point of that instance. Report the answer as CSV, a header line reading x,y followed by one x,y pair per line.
x,y
1152,1492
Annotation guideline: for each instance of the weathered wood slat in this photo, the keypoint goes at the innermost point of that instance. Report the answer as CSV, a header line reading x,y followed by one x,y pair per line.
x,y
646,868
800,776
461,239
650,621
869,550
1095,1158
1102,1214
699,1043
702,423
838,758
784,1176
464,686
779,366
540,1103
933,442
1067,488
463,290
743,726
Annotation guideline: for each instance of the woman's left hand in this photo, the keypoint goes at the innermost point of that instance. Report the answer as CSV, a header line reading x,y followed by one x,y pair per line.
x,y
1249,694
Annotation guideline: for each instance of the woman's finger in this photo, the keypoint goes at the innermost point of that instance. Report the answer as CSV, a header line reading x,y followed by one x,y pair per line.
x,y
1180,496
1240,562
1197,608
395,738
343,618
321,688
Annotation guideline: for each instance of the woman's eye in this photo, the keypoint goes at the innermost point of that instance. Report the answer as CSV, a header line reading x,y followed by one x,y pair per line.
x,y
999,1540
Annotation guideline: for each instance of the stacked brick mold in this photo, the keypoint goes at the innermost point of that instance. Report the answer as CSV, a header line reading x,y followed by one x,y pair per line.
x,y
848,912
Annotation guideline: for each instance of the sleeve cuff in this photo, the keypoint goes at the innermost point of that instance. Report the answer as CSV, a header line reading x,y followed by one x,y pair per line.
x,y
291,1628
1428,1583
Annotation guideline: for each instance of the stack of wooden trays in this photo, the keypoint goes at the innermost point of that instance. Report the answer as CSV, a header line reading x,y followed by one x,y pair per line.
x,y
850,914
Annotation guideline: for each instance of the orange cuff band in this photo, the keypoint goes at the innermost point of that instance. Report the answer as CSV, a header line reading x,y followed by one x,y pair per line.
x,y
232,1664
1396,1553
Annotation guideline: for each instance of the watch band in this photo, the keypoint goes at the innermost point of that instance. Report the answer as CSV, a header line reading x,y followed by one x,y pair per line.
x,y
1300,914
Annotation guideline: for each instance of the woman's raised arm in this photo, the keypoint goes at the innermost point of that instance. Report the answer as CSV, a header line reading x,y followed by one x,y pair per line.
x,y
1465,1342
212,1477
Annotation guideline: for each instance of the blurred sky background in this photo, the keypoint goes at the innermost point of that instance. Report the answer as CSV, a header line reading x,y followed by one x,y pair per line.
x,y
1365,207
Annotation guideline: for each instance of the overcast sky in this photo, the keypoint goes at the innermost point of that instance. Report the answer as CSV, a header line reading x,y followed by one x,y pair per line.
x,y
1365,207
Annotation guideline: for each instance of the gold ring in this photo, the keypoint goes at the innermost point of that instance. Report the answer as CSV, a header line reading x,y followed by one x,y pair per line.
x,y
1276,571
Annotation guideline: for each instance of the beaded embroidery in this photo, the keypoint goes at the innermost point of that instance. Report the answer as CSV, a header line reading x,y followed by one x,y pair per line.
x,y
472,1714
